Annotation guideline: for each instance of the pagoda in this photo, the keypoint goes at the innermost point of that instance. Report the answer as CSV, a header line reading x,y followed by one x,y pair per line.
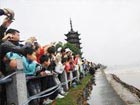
x,y
73,37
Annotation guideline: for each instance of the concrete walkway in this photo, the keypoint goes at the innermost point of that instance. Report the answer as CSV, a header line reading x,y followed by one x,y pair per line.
x,y
103,93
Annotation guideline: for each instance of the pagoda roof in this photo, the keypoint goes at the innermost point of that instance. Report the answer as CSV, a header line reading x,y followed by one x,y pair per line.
x,y
73,38
73,41
72,32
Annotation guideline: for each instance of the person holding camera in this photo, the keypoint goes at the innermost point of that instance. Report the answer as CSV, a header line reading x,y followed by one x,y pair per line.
x,y
5,24
7,21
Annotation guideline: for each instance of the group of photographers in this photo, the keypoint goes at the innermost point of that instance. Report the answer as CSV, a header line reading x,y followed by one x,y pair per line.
x,y
42,61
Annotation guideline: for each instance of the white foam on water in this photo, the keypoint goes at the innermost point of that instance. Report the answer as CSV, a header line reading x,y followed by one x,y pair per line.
x,y
130,75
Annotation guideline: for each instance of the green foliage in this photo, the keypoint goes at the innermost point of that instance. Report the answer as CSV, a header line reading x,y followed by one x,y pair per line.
x,y
59,44
74,93
73,48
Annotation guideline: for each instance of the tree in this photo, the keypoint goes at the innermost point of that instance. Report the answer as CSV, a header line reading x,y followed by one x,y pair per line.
x,y
59,44
73,48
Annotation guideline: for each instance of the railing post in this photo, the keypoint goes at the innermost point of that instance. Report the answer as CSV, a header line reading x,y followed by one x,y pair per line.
x,y
71,77
78,74
66,80
17,89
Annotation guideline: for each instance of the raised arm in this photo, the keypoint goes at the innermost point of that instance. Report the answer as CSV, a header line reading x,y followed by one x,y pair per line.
x,y
7,21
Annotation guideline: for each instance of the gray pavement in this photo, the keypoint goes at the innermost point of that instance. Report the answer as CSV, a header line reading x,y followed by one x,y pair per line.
x,y
103,93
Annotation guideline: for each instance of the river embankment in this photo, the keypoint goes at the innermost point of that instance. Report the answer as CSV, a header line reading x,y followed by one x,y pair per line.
x,y
128,93
102,92
128,74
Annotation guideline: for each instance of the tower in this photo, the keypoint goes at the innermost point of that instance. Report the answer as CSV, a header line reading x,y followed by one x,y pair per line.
x,y
73,37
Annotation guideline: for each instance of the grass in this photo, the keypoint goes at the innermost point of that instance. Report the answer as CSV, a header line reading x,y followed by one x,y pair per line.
x,y
74,93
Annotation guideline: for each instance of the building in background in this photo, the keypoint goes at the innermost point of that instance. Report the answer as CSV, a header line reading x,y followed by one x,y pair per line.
x,y
73,37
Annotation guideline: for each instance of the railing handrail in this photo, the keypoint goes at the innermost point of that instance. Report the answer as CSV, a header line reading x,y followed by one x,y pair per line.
x,y
7,78
45,91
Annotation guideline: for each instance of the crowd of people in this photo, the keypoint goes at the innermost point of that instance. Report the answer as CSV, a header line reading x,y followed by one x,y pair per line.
x,y
47,62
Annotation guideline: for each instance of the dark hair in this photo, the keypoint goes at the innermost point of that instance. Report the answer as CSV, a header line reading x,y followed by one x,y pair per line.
x,y
62,50
64,60
12,31
69,58
51,50
44,58
28,50
36,45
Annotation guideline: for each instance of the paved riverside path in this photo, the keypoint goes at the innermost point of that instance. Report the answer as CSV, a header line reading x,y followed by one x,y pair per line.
x,y
103,93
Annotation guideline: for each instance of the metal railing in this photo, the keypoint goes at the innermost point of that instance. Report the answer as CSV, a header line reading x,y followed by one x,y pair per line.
x,y
6,79
17,83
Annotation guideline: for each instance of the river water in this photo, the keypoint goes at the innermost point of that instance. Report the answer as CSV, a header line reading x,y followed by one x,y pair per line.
x,y
130,75
104,94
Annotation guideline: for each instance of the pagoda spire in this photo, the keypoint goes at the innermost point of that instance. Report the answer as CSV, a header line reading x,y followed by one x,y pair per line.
x,y
71,24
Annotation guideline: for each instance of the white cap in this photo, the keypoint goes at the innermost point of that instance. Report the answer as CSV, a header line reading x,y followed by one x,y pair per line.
x,y
68,50
59,49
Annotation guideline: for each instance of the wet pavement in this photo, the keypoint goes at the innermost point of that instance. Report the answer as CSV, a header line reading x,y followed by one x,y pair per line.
x,y
103,93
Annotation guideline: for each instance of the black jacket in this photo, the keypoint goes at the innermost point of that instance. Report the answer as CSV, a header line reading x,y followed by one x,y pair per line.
x,y
2,28
2,31
9,46
1,12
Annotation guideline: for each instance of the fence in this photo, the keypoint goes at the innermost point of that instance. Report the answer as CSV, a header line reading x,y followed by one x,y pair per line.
x,y
16,88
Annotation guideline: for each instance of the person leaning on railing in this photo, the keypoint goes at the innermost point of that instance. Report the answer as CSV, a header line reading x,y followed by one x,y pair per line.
x,y
10,45
30,71
7,21
47,81
5,24
51,53
59,68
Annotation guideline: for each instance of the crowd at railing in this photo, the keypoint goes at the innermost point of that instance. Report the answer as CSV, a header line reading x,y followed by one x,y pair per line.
x,y
49,71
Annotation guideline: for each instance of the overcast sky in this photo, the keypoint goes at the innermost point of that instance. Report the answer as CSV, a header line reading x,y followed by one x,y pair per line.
x,y
110,29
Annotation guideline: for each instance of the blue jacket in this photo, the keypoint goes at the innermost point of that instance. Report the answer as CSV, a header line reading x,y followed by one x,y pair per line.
x,y
29,66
